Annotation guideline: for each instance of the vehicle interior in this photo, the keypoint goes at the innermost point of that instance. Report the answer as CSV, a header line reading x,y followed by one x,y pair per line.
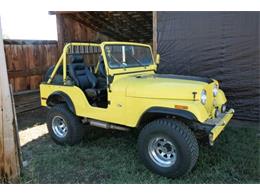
x,y
87,71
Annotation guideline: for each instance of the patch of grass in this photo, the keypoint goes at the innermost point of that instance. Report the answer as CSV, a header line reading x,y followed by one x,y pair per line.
x,y
111,157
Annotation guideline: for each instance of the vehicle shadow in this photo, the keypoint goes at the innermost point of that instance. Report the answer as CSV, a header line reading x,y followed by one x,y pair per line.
x,y
87,162
31,118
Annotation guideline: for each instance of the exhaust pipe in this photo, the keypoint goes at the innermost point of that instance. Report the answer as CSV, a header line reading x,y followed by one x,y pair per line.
x,y
105,125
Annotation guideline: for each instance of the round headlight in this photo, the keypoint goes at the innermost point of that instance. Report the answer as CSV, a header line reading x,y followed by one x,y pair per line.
x,y
215,90
203,97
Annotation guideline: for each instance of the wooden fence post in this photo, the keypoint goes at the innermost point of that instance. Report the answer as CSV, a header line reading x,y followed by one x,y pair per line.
x,y
9,155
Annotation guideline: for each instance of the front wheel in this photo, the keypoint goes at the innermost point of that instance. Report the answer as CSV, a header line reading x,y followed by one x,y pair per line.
x,y
168,147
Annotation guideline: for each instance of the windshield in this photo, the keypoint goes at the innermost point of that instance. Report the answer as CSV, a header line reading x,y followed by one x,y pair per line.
x,y
125,56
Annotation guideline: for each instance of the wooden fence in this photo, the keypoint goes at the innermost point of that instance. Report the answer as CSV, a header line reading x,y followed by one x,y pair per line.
x,y
27,61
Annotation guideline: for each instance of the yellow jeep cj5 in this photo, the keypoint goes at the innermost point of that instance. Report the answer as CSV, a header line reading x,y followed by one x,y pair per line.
x,y
114,85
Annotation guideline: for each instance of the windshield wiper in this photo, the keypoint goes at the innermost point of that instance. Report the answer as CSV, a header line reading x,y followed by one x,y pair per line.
x,y
138,61
119,63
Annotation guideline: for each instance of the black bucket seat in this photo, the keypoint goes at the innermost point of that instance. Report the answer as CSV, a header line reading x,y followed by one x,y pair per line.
x,y
82,76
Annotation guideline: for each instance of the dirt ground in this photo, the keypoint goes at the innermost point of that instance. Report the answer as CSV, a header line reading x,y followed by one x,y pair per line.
x,y
106,156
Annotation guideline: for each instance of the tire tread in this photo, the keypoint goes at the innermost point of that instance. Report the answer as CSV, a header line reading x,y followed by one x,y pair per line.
x,y
183,130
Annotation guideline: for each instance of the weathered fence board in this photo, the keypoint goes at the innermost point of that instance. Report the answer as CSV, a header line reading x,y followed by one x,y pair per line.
x,y
27,61
27,100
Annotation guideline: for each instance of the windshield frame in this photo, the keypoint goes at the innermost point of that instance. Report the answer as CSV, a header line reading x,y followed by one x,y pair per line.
x,y
128,44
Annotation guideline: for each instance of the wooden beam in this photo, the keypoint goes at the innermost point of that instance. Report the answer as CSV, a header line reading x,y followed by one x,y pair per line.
x,y
27,72
60,32
91,25
27,100
146,20
28,42
17,139
9,159
155,36
104,24
61,12
135,27
27,92
119,23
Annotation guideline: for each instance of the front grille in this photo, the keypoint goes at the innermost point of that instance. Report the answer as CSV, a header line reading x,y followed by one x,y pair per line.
x,y
210,99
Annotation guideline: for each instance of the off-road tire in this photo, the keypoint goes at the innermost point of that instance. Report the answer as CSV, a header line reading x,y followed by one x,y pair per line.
x,y
187,149
75,127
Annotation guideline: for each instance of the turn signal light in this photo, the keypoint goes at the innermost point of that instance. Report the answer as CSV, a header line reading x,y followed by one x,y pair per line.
x,y
181,107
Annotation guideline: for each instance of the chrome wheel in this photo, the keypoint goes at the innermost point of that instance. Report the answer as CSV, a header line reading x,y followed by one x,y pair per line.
x,y
59,127
162,151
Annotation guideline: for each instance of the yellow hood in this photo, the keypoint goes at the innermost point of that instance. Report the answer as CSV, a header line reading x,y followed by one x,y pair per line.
x,y
165,86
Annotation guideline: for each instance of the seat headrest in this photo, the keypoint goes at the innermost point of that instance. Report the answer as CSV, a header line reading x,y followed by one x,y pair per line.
x,y
78,67
76,58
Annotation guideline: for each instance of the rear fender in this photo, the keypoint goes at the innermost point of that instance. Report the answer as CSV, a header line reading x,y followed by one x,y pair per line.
x,y
60,97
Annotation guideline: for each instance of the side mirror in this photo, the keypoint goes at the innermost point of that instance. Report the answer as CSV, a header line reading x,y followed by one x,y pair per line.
x,y
157,59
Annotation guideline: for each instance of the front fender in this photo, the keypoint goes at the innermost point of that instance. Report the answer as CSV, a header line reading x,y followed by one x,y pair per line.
x,y
195,111
175,112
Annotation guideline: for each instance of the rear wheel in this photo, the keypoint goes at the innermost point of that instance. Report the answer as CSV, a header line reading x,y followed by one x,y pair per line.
x,y
64,127
168,147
